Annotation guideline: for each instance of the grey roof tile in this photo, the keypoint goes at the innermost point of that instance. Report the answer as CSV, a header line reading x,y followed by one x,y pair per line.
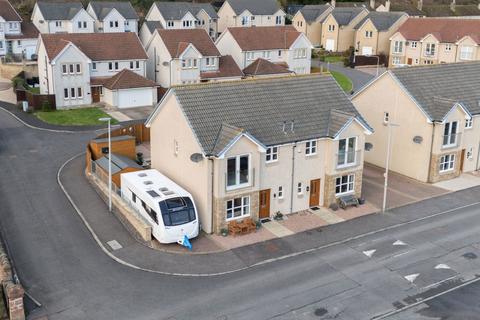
x,y
382,20
153,25
256,7
345,15
261,107
103,8
312,12
59,10
437,88
177,10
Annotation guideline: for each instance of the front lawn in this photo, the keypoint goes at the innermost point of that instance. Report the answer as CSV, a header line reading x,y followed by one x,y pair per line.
x,y
342,80
333,59
74,117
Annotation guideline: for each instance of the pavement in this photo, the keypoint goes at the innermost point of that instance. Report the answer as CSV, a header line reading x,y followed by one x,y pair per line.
x,y
464,181
359,270
358,77
126,114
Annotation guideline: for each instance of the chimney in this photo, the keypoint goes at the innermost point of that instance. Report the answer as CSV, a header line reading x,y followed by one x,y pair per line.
x,y
420,5
452,5
333,3
387,5
372,4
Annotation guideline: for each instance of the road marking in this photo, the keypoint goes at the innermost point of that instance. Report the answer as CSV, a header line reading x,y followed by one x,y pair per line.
x,y
369,253
399,243
442,266
440,282
400,254
412,277
114,244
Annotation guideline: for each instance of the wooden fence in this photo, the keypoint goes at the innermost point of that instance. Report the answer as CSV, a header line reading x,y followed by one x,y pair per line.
x,y
137,130
35,100
371,60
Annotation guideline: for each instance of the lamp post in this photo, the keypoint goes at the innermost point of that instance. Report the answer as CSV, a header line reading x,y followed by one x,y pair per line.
x,y
387,163
106,119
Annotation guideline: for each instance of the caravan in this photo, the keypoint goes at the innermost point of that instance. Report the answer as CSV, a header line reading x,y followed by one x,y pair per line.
x,y
166,206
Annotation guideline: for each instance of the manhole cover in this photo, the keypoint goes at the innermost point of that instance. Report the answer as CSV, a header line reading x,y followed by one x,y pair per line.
x,y
320,312
469,255
114,245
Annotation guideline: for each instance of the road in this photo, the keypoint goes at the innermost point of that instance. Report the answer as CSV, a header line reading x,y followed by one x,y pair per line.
x,y
60,264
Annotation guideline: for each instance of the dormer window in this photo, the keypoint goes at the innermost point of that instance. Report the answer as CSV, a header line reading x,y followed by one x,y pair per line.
x,y
170,24
58,24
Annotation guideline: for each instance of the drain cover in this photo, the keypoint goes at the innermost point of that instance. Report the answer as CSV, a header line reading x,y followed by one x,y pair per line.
x,y
114,245
320,312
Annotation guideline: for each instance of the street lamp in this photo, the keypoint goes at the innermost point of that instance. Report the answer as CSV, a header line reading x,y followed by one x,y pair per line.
x,y
387,163
106,119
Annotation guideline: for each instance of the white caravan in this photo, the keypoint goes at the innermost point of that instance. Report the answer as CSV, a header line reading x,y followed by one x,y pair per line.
x,y
167,207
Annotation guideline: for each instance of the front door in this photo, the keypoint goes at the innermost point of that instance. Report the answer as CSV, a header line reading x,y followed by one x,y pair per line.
x,y
314,193
264,210
409,61
95,94
462,160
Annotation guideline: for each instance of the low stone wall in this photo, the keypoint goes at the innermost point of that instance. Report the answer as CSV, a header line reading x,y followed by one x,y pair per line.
x,y
127,216
13,292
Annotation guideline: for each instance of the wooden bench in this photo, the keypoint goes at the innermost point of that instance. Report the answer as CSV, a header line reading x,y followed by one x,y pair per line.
x,y
233,228
244,227
348,200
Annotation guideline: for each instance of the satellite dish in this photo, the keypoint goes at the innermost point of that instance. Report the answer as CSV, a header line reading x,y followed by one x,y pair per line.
x,y
165,63
196,157
368,146
417,139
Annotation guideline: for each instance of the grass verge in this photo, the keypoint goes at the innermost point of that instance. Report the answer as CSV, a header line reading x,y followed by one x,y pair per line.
x,y
74,117
343,81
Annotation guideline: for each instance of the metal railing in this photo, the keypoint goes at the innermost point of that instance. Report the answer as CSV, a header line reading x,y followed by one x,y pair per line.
x,y
348,159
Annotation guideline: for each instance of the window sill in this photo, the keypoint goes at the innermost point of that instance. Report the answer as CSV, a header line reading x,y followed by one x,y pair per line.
x,y
450,146
338,195
347,166
446,171
310,154
238,187
271,162
237,218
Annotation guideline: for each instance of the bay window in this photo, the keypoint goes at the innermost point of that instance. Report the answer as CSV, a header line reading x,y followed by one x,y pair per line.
x,y
238,171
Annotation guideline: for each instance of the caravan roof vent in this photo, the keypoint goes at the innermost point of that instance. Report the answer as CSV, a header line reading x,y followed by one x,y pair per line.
x,y
163,189
168,193
147,182
153,193
142,175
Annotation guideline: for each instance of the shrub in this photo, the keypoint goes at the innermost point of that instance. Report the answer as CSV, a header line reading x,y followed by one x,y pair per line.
x,y
19,83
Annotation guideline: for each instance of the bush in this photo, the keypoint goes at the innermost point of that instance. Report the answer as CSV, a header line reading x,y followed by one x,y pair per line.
x,y
19,83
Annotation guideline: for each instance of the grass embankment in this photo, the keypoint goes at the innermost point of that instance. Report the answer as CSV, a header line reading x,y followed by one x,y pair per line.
x,y
74,117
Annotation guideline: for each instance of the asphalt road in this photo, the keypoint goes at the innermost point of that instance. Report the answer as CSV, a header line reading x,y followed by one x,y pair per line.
x,y
359,78
61,266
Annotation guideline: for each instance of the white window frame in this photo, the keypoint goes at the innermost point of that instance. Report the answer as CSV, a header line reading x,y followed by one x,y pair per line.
x,y
470,153
430,49
71,68
448,131
78,68
311,147
210,62
466,55
280,192
278,20
244,208
170,23
64,69
237,184
331,27
469,123
350,184
347,163
413,44
447,163
250,55
66,94
368,34
448,47
396,61
267,55
271,155
94,66
398,46
73,93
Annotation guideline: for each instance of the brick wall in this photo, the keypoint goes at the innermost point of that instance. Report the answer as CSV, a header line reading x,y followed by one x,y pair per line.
x,y
329,186
220,213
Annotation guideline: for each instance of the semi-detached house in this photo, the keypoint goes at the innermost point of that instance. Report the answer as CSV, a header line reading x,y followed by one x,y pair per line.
x,y
185,56
435,40
249,13
433,114
62,17
282,44
252,148
81,69
184,15
113,16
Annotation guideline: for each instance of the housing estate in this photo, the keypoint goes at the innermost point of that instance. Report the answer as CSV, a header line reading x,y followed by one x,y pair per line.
x,y
252,148
249,13
113,16
62,17
433,115
338,28
309,21
279,44
372,34
81,69
185,56
18,37
184,15
435,40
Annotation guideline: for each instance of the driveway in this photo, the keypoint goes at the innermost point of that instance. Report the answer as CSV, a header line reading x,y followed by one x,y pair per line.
x,y
401,189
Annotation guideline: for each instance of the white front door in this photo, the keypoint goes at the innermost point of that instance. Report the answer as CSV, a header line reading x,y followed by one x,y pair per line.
x,y
330,45
367,51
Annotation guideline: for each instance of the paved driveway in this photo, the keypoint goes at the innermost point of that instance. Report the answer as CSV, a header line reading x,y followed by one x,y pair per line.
x,y
401,189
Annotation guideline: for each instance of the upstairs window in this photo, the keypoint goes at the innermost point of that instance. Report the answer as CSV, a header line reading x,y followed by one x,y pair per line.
x,y
311,147
170,24
466,53
398,47
368,34
278,20
346,151
238,171
450,134
271,154
413,44
430,49
468,123
331,27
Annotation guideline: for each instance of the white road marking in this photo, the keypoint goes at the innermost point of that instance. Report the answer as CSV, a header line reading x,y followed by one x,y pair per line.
x,y
369,253
439,282
399,243
400,254
412,277
442,266
114,245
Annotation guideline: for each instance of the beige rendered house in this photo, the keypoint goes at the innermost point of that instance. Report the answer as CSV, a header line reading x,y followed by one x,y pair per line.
x,y
186,56
435,40
338,28
372,34
252,148
249,13
280,44
433,113
309,21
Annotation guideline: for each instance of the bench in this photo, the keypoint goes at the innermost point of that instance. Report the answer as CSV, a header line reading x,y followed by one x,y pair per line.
x,y
244,227
348,200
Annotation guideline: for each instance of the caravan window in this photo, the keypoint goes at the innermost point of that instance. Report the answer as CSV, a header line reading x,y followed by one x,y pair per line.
x,y
177,211
150,212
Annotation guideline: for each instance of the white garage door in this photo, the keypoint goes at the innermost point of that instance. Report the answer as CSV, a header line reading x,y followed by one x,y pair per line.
x,y
330,45
135,98
367,51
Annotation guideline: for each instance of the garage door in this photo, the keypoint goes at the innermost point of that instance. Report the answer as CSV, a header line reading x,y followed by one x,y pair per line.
x,y
367,51
135,98
330,45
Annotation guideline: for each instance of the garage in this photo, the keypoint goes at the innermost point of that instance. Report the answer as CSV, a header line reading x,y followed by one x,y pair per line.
x,y
330,45
128,89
